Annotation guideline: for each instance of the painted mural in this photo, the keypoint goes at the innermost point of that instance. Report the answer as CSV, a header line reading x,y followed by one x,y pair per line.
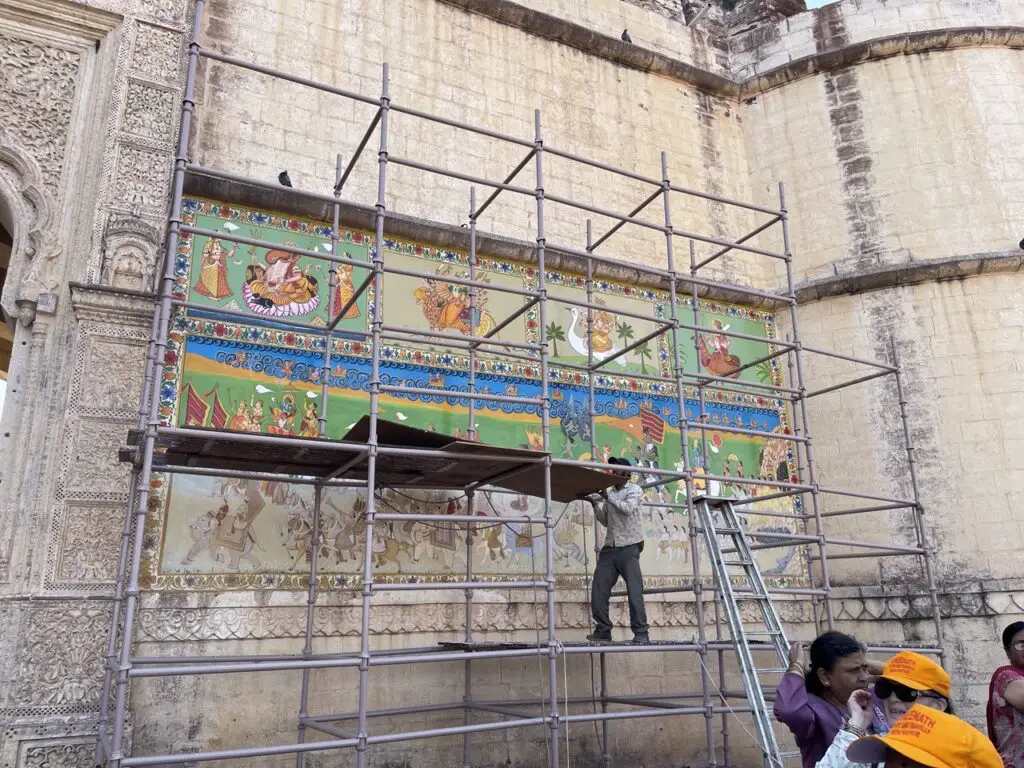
x,y
232,364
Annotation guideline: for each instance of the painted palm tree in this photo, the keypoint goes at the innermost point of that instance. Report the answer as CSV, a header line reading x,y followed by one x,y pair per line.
x,y
624,332
643,352
555,334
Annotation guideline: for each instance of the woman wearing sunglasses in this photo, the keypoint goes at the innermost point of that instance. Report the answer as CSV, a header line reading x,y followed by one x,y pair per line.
x,y
907,679
1006,700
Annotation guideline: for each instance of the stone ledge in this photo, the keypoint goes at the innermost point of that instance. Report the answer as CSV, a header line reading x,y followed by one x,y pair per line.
x,y
911,273
637,57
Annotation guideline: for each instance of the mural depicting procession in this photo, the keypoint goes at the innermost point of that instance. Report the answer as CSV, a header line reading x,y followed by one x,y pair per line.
x,y
246,371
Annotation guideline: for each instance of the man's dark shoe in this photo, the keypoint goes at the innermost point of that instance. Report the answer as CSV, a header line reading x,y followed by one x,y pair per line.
x,y
641,639
597,637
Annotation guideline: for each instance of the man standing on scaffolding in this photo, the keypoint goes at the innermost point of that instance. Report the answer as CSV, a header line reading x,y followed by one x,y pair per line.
x,y
619,511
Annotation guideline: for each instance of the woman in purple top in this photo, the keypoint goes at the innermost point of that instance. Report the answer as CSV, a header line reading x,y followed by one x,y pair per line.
x,y
813,705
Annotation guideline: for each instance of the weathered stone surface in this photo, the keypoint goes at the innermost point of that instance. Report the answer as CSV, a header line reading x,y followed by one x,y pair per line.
x,y
893,123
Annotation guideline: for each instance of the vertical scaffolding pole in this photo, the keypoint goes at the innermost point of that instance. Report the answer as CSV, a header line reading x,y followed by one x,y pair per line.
x,y
918,512
722,683
606,758
545,416
161,326
314,533
797,352
110,659
798,432
376,324
311,595
471,431
698,586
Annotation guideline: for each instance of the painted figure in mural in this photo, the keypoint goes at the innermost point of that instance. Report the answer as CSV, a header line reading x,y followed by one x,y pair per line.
x,y
202,530
715,356
603,323
280,288
283,417
575,425
256,417
240,419
620,511
234,533
213,270
343,292
310,426
446,306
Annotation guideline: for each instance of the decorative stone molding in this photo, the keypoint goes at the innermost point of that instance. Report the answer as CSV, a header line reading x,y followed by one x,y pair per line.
x,y
58,658
130,247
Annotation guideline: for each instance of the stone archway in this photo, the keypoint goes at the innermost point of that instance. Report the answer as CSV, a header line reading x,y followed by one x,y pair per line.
x,y
30,215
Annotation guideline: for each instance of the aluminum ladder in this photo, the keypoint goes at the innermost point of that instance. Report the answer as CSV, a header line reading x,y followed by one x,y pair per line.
x,y
737,562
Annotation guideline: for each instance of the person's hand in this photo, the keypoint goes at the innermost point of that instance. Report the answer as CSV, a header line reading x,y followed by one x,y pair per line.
x,y
796,655
860,705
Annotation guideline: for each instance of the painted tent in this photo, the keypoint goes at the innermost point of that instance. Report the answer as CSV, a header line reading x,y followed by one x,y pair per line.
x,y
232,364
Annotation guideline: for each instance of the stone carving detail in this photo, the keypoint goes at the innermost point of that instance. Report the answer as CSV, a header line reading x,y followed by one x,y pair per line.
x,y
142,177
166,11
37,89
60,756
130,250
94,462
149,112
89,543
157,53
60,662
118,393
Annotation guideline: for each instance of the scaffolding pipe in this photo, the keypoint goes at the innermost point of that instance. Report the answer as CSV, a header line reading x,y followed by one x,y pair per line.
x,y
163,312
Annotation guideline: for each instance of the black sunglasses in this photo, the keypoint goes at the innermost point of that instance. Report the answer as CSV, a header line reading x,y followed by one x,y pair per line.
x,y
886,688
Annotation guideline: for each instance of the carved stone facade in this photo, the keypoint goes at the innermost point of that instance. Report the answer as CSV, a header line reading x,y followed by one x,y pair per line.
x,y
89,103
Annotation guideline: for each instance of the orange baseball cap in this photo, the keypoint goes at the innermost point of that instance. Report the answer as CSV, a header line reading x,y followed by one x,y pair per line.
x,y
918,672
932,738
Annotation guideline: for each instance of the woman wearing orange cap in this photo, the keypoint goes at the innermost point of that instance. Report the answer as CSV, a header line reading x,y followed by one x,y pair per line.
x,y
908,679
927,738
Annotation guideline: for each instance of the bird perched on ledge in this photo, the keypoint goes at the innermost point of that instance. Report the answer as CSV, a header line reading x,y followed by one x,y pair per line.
x,y
625,36
284,179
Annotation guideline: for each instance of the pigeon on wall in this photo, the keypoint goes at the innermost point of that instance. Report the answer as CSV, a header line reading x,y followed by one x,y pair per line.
x,y
625,36
283,179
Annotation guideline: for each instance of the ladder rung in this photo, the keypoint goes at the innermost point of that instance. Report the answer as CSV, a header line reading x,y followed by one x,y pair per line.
x,y
730,531
764,633
743,563
772,670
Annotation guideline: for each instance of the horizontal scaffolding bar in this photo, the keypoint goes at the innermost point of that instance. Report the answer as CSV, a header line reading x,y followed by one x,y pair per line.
x,y
670,473
218,173
728,243
862,510
276,73
477,519
455,394
499,287
605,212
869,496
619,225
638,343
460,125
496,710
718,254
846,384
848,358
602,166
300,664
599,716
724,200
427,167
319,330
427,586
463,346
858,555
508,180
476,340
256,242
698,425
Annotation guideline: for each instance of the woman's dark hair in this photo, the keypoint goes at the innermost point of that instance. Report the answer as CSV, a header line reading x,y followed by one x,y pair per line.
x,y
826,650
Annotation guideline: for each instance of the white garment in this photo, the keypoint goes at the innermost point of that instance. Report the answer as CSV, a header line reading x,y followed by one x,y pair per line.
x,y
836,757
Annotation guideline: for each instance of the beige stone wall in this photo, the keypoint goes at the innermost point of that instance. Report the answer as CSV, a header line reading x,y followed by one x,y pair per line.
x,y
471,68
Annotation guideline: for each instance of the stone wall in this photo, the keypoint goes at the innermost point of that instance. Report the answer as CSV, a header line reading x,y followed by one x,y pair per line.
x,y
901,170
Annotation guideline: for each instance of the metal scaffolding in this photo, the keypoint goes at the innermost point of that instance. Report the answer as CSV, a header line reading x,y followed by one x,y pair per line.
x,y
331,463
